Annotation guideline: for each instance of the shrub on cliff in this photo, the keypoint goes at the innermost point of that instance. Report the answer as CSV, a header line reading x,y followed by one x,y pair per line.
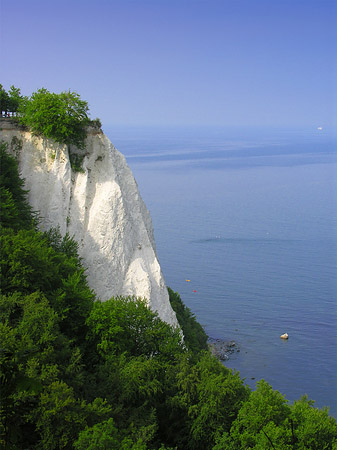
x,y
194,335
62,117
15,210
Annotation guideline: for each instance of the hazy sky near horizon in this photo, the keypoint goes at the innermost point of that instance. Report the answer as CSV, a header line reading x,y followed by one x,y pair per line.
x,y
186,62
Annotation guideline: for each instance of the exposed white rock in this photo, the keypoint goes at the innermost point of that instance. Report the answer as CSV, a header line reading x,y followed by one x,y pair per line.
x,y
101,208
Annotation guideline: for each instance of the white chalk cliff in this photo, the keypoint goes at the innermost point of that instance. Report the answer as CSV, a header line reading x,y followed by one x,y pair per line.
x,y
100,207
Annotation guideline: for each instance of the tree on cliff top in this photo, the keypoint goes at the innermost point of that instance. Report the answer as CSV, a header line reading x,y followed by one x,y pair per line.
x,y
62,117
10,101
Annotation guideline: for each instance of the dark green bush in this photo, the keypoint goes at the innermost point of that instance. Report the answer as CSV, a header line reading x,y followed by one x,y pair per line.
x,y
16,212
194,335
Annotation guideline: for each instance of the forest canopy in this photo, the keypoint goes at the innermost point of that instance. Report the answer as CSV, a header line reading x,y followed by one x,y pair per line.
x,y
78,373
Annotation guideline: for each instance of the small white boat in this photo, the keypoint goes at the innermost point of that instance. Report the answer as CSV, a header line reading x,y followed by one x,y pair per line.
x,y
284,336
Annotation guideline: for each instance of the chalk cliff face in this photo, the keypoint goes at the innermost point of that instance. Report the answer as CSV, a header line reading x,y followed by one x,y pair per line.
x,y
100,207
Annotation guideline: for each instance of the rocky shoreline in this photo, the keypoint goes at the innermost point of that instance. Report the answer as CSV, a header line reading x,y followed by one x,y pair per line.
x,y
223,349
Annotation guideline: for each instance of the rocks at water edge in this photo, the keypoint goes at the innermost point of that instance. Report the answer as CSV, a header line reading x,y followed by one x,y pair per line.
x,y
223,349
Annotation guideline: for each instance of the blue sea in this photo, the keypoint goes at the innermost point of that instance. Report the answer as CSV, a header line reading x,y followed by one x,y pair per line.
x,y
249,216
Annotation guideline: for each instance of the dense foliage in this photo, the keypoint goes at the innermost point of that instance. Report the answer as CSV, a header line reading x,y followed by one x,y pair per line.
x,y
62,117
194,335
16,212
80,374
10,101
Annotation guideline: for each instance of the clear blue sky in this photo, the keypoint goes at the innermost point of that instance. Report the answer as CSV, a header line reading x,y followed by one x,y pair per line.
x,y
188,62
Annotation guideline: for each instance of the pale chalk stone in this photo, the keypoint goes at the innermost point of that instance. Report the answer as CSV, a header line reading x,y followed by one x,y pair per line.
x,y
101,208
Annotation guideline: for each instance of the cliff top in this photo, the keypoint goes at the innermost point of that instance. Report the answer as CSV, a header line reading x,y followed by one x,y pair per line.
x,y
11,123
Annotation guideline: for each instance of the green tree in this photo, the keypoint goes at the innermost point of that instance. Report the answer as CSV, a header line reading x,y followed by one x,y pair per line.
x,y
59,417
101,436
41,372
15,99
127,325
261,422
63,244
4,99
137,352
267,421
206,402
195,337
62,117
28,336
28,264
314,429
11,100
16,212
106,436
9,216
